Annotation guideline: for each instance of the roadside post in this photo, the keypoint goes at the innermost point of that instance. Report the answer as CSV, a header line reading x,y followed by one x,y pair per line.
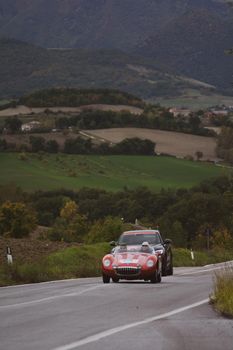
x,y
9,256
192,254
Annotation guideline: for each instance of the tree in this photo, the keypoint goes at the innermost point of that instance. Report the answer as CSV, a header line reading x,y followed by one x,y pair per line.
x,y
37,143
106,230
3,145
13,124
135,146
70,226
52,146
178,235
16,219
200,209
78,146
195,122
69,210
222,239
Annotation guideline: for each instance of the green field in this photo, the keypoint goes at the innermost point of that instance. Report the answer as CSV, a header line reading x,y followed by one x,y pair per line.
x,y
194,100
107,172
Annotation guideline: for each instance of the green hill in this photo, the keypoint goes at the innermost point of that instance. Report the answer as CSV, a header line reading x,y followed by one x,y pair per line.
x,y
25,68
107,172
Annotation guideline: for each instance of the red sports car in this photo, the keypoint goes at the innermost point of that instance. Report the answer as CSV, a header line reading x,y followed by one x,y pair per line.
x,y
132,263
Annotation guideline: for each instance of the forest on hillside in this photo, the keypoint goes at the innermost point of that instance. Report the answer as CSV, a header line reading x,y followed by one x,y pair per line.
x,y
92,215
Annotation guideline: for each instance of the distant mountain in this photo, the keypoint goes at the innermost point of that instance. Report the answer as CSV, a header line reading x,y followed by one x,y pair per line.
x,y
25,67
188,36
121,24
195,46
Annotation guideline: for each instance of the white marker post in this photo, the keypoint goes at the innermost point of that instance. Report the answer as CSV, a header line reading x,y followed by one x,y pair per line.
x,y
9,256
192,254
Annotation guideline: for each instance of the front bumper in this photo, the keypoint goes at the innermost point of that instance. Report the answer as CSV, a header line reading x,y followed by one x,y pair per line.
x,y
129,272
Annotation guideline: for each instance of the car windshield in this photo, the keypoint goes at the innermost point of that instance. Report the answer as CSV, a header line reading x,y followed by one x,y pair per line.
x,y
138,239
139,249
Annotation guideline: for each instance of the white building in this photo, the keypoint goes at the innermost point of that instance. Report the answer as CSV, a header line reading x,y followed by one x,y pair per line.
x,y
30,126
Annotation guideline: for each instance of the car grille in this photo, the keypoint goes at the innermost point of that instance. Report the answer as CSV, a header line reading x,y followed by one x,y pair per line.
x,y
128,271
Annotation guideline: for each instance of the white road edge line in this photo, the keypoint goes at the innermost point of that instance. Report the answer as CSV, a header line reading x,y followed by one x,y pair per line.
x,y
48,282
203,271
109,332
38,301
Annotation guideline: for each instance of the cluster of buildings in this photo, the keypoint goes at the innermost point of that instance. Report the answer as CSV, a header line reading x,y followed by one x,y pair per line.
x,y
30,126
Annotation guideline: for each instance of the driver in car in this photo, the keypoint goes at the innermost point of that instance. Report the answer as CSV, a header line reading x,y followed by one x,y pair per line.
x,y
146,248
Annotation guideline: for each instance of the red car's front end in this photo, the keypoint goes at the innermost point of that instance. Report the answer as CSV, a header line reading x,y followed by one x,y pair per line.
x,y
131,265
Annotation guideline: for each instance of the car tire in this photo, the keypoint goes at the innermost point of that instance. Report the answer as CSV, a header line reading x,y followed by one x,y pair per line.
x,y
106,279
170,270
156,278
164,271
159,277
115,279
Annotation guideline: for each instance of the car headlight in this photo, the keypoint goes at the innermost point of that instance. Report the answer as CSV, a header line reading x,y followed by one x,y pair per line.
x,y
107,262
150,263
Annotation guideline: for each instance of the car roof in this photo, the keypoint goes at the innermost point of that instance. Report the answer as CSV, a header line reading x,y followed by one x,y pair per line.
x,y
141,232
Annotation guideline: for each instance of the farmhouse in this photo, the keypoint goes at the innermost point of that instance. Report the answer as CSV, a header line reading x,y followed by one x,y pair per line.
x,y
30,126
220,112
180,112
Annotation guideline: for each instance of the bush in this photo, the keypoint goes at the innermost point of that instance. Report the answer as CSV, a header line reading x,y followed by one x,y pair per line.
x,y
3,145
70,226
106,230
16,219
23,156
75,262
182,257
223,292
37,143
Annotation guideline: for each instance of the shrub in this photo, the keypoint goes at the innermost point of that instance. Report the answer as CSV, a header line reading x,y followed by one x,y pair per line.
x,y
74,262
22,156
16,219
70,226
223,291
106,230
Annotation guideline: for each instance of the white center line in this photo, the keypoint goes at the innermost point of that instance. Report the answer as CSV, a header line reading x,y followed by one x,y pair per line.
x,y
119,329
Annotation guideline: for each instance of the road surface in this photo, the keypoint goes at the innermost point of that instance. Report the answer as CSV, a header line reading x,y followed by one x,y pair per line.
x,y
89,315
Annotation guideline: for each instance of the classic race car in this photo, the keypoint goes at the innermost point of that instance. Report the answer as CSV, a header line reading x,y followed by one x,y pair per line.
x,y
153,237
132,263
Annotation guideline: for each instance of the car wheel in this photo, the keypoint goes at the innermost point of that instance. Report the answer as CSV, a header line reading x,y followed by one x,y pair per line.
x,y
164,271
159,277
170,270
115,279
106,279
156,278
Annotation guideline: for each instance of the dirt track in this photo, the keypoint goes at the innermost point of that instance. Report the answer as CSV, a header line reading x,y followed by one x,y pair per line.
x,y
173,143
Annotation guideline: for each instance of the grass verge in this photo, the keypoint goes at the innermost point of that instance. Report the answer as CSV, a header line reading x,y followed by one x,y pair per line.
x,y
182,257
85,261
74,262
223,292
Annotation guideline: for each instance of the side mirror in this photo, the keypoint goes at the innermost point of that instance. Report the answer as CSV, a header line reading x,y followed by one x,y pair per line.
x,y
113,244
167,241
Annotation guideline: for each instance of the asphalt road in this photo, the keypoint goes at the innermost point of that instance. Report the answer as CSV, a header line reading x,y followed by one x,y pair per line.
x,y
87,314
